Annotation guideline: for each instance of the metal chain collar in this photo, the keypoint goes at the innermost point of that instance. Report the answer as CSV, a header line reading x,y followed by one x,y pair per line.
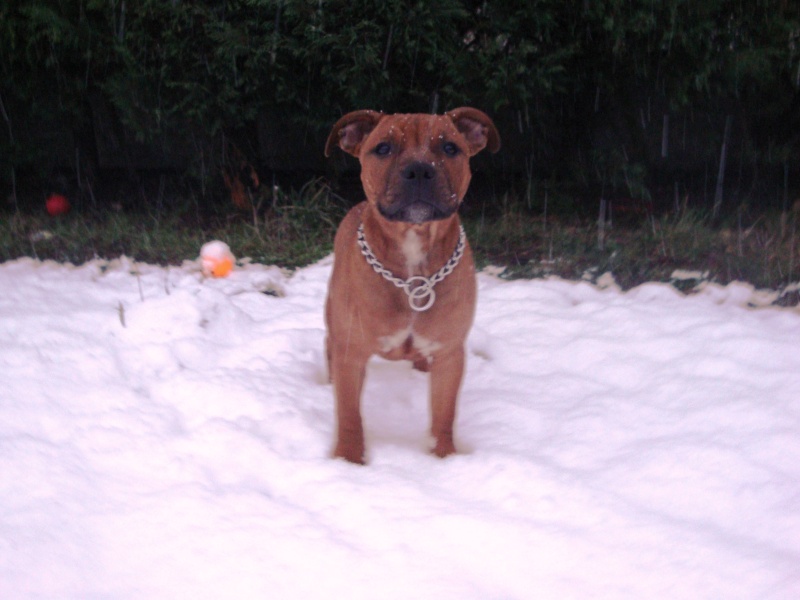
x,y
419,289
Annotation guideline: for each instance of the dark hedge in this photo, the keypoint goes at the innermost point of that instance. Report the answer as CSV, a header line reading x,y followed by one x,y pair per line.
x,y
627,98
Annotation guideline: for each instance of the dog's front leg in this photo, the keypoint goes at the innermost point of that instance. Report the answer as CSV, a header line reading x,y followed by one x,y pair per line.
x,y
446,371
348,381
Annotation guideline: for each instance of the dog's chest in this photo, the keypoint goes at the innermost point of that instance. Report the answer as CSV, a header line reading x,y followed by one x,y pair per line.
x,y
407,344
413,250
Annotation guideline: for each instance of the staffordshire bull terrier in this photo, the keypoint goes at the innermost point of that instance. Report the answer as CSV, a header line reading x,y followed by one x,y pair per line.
x,y
403,280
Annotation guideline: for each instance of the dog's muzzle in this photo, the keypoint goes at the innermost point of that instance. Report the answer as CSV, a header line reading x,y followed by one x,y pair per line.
x,y
418,200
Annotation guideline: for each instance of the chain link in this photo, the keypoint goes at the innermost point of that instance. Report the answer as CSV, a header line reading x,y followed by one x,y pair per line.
x,y
419,289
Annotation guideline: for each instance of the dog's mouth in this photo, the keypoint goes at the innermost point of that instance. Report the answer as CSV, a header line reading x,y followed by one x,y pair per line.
x,y
418,194
416,212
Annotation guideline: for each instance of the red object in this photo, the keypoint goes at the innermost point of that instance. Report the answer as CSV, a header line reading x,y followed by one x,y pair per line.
x,y
56,205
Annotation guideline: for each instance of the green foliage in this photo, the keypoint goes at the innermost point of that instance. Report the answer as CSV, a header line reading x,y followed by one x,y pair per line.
x,y
686,48
579,86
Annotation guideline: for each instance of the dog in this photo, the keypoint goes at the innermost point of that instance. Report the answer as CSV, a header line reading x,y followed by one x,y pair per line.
x,y
403,280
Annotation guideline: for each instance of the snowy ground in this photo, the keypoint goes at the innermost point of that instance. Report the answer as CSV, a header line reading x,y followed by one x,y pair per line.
x,y
164,436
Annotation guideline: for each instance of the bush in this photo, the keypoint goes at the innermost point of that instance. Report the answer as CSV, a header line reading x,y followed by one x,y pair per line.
x,y
633,98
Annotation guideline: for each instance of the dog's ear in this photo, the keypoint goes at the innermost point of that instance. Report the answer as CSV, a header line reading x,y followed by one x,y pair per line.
x,y
477,128
350,131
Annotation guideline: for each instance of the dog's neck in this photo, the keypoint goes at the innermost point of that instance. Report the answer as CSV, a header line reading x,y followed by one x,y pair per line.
x,y
426,247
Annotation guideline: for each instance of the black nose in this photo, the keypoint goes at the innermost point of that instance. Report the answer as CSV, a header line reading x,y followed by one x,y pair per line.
x,y
419,171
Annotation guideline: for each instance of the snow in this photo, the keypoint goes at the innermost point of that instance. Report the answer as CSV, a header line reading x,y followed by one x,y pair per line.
x,y
165,435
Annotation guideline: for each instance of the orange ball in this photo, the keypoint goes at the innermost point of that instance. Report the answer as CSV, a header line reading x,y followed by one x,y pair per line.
x,y
221,267
216,259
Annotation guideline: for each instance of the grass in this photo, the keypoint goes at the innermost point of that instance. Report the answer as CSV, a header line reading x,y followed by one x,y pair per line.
x,y
651,249
291,230
297,228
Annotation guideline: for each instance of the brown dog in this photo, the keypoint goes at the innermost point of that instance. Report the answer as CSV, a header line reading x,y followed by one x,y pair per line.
x,y
403,281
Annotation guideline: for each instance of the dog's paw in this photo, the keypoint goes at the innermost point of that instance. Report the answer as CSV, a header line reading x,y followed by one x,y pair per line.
x,y
350,452
443,447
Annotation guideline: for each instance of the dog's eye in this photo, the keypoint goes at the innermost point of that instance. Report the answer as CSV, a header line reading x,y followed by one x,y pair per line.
x,y
382,149
450,149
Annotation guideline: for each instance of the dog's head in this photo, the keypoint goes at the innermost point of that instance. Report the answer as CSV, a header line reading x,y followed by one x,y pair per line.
x,y
414,167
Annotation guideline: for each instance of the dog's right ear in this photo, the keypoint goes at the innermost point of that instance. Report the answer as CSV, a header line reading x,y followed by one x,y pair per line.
x,y
351,129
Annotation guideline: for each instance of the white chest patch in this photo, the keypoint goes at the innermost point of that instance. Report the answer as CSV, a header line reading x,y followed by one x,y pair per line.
x,y
422,345
412,250
425,346
390,342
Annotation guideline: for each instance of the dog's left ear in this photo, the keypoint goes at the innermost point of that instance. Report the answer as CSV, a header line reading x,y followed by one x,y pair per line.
x,y
351,130
477,128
